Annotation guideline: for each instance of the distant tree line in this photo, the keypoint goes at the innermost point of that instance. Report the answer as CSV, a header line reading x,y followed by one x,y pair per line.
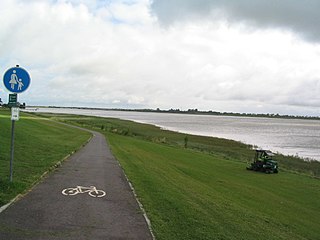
x,y
199,112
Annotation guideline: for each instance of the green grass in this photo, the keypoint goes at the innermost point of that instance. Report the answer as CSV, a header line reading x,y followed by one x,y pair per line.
x,y
226,149
39,145
198,190
192,195
204,192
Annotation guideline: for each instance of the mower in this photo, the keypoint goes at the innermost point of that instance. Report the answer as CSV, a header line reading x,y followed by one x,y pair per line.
x,y
264,162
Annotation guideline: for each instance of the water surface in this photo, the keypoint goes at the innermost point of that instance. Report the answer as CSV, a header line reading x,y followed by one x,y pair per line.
x,y
288,136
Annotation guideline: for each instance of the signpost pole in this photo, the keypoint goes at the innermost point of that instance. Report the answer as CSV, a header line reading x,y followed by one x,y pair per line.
x,y
14,117
12,150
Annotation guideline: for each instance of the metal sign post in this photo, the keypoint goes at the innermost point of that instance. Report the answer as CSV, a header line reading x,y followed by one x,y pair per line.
x,y
16,80
14,117
11,151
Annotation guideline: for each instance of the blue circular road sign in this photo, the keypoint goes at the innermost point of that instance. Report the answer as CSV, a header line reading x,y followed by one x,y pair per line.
x,y
16,79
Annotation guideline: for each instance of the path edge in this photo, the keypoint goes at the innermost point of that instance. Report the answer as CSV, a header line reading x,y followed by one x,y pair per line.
x,y
44,175
139,203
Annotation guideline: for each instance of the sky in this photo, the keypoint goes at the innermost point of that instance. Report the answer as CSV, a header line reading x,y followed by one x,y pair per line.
x,y
248,56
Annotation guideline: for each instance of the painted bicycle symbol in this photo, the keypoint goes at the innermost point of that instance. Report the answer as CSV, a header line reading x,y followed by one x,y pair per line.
x,y
92,191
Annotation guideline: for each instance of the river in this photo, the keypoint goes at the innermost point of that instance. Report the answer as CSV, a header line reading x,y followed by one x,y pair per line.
x,y
288,136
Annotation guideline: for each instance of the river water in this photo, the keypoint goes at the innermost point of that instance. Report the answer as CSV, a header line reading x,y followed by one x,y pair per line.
x,y
287,136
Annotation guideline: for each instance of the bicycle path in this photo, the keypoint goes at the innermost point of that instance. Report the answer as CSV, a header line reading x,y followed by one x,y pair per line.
x,y
46,214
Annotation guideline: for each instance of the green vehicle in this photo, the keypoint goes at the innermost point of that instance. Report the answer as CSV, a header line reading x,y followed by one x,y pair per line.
x,y
264,162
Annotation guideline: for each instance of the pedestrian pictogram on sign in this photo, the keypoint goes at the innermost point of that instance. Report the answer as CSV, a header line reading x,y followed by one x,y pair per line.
x,y
16,79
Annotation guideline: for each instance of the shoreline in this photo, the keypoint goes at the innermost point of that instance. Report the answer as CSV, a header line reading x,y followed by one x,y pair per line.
x,y
164,121
193,112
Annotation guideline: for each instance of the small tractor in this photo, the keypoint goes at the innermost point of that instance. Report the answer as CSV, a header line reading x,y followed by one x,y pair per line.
x,y
264,162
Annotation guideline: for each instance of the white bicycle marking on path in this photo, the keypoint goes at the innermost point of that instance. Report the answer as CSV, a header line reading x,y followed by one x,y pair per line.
x,y
92,191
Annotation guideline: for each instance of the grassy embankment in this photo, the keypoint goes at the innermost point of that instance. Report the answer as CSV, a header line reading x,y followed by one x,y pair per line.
x,y
202,190
39,146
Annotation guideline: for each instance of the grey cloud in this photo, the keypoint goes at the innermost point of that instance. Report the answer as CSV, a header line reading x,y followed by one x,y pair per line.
x,y
295,15
305,94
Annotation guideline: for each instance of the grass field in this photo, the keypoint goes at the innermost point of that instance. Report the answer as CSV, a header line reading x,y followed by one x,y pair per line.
x,y
192,195
199,189
39,145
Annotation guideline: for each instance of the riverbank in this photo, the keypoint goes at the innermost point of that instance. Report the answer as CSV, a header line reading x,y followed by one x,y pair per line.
x,y
228,149
192,111
196,187
287,136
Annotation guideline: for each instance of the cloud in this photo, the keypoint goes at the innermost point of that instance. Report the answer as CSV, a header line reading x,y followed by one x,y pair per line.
x,y
117,54
69,48
298,16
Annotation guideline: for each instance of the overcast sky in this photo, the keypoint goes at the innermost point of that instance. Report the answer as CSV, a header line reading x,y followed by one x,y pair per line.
x,y
238,55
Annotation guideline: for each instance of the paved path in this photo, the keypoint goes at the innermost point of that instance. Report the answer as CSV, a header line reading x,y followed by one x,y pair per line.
x,y
45,213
